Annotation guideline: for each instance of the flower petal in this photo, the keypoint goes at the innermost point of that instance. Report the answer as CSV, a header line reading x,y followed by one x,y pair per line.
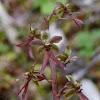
x,y
25,43
57,61
30,52
40,49
55,39
25,90
21,90
45,35
76,20
82,96
68,50
23,86
59,4
74,58
46,57
62,56
54,48
36,42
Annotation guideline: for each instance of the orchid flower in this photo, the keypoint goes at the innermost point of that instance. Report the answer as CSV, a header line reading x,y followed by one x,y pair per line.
x,y
47,45
35,76
72,87
35,33
60,10
65,57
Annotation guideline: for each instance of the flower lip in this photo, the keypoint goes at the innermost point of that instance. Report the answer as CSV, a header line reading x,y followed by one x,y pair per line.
x,y
47,44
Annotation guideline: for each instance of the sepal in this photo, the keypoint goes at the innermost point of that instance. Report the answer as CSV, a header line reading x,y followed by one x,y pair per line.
x,y
68,50
55,39
45,35
40,49
36,42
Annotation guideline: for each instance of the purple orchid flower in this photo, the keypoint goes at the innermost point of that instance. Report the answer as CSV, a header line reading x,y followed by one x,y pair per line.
x,y
25,87
35,33
60,10
49,55
72,87
48,46
35,77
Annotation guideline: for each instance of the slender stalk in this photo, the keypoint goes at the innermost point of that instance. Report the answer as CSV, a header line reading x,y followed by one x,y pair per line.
x,y
54,80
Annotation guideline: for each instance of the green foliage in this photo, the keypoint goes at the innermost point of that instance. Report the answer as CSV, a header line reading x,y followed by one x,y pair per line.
x,y
4,48
22,1
87,42
2,36
11,56
44,90
46,6
22,32
71,87
6,81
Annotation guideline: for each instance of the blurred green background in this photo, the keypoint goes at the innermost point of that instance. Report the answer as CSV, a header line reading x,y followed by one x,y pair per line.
x,y
16,17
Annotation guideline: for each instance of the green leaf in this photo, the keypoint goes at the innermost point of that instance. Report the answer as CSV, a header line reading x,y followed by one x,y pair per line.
x,y
22,1
68,50
46,6
84,40
95,34
2,36
54,48
38,3
11,56
87,53
87,42
4,48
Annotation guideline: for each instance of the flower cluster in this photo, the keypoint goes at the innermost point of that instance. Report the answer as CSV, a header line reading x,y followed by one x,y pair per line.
x,y
72,87
47,45
60,10
35,76
40,39
65,57
34,33
43,44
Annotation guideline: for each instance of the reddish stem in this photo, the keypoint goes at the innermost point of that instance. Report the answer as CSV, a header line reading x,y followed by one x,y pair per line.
x,y
54,80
